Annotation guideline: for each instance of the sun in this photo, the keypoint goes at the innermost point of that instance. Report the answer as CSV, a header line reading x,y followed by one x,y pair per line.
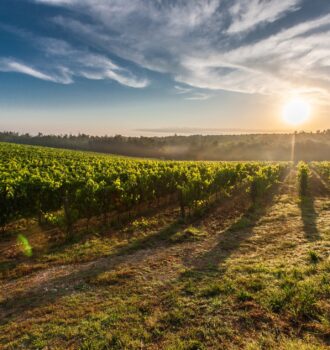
x,y
296,111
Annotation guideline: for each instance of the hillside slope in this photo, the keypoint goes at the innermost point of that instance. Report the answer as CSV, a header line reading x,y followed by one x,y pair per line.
x,y
237,278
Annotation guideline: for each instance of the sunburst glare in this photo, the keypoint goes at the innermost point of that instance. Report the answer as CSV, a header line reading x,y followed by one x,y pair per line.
x,y
296,111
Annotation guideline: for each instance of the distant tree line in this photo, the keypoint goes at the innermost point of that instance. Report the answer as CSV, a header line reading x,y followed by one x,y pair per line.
x,y
308,146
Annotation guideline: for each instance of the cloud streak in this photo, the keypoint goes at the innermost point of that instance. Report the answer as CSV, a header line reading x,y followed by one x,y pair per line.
x,y
10,65
89,65
191,94
246,46
60,62
247,14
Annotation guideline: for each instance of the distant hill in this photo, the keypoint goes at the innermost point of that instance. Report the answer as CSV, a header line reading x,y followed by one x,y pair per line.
x,y
308,146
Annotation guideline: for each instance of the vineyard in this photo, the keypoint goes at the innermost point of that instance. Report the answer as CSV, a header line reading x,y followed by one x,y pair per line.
x,y
40,182
104,252
323,168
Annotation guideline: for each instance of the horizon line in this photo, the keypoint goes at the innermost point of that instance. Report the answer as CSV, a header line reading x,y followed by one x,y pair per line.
x,y
221,130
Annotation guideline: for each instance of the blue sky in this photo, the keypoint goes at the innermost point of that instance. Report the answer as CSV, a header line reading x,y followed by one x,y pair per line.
x,y
114,66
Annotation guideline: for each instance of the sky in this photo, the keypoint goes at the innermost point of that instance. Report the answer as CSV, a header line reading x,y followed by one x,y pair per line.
x,y
153,67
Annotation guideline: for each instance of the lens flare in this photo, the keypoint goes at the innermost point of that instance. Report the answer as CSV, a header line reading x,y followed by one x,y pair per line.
x,y
25,245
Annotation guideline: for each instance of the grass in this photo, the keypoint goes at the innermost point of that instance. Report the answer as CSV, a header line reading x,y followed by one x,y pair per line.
x,y
109,277
25,260
188,234
313,257
234,278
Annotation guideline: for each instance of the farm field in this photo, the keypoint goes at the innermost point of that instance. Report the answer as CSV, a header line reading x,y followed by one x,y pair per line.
x,y
101,252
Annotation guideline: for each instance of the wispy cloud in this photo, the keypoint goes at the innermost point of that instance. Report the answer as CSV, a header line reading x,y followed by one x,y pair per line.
x,y
59,62
10,65
89,65
191,94
231,45
182,89
198,97
247,14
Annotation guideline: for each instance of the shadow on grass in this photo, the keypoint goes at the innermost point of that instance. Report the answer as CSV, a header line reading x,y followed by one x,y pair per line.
x,y
50,290
317,188
309,217
232,238
58,243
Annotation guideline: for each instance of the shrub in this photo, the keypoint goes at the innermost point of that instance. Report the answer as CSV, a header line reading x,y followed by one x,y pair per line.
x,y
303,175
313,257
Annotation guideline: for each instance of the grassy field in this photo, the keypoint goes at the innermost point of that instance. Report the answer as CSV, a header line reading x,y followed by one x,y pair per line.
x,y
238,277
